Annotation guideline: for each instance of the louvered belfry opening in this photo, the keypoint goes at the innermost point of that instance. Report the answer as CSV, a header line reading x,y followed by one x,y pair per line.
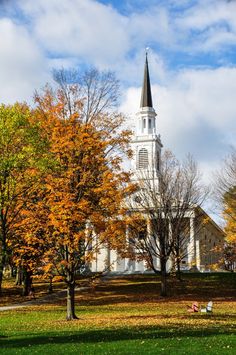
x,y
143,159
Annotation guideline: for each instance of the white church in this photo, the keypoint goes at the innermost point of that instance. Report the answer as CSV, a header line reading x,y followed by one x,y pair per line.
x,y
147,147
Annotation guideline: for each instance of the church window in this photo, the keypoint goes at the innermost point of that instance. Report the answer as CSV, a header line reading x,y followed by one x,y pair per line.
x,y
144,123
143,159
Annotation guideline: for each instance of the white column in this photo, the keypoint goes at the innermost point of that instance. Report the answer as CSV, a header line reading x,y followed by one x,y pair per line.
x,y
94,262
113,260
191,245
129,264
140,266
198,254
120,264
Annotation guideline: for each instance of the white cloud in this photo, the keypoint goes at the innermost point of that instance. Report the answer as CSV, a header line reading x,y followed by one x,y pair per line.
x,y
100,35
213,23
94,31
153,25
80,28
209,12
22,66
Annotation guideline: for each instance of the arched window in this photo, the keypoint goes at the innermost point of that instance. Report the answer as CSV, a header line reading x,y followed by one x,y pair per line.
x,y
143,159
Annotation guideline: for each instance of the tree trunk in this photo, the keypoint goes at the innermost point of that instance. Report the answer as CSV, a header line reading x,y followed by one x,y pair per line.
x,y
178,261
70,281
178,271
19,276
71,301
27,283
2,264
163,278
13,271
50,288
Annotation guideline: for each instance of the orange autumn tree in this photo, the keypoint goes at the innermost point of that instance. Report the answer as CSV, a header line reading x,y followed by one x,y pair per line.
x,y
29,244
83,195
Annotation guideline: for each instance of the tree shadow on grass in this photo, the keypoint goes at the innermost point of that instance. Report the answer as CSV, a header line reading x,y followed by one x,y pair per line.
x,y
199,316
147,289
110,335
138,288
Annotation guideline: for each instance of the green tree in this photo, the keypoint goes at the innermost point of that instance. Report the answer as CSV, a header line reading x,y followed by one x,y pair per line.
x,y
23,160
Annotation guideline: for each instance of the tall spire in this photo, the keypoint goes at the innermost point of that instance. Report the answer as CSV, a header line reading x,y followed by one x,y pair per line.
x,y
146,98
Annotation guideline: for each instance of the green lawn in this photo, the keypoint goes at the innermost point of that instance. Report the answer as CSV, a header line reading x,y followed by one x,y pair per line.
x,y
127,316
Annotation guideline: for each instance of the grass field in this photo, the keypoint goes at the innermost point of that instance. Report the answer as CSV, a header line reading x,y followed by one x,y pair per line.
x,y
127,316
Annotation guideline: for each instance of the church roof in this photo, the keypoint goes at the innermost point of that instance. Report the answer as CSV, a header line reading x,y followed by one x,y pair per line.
x,y
146,97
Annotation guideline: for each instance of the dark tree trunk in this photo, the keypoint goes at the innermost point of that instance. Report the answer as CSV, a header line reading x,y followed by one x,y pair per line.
x,y
50,288
71,301
13,271
2,264
179,272
70,281
27,283
178,261
19,276
163,278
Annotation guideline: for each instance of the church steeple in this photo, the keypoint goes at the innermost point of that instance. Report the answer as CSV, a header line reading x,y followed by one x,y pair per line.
x,y
146,123
146,144
146,97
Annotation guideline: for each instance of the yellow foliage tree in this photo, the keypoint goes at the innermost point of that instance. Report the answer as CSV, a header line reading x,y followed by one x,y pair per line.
x,y
230,227
230,215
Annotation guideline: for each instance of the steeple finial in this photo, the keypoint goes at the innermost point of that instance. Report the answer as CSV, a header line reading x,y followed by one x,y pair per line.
x,y
146,98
